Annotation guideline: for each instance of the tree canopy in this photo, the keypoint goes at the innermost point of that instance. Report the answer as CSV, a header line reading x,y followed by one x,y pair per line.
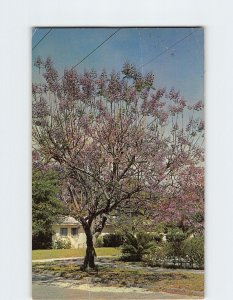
x,y
115,137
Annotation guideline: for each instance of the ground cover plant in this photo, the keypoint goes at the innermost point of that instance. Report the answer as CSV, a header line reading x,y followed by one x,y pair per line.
x,y
121,274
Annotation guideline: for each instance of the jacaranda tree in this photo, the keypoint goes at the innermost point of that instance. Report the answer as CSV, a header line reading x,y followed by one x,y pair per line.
x,y
183,205
115,138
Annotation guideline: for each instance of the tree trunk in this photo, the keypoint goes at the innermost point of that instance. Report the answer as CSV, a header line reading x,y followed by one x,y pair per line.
x,y
89,260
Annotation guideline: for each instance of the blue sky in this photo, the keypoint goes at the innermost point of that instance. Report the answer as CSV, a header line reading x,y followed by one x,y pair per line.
x,y
181,66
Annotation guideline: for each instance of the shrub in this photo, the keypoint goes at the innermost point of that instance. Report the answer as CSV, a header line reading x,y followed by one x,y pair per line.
x,y
193,249
169,253
136,246
175,235
157,237
175,238
112,240
178,251
41,240
99,242
62,244
157,255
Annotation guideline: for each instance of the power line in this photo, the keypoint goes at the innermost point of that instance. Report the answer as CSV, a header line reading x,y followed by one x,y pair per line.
x,y
92,51
170,47
42,38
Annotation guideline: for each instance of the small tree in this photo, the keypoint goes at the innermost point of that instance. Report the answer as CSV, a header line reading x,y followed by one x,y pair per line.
x,y
116,139
46,207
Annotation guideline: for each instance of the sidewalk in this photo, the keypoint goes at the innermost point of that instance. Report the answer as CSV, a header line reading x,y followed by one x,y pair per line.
x,y
68,258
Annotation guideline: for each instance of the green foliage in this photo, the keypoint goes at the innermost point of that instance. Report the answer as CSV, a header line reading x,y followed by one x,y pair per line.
x,y
46,207
99,242
62,244
157,237
136,246
175,238
112,240
193,249
157,255
175,235
179,250
131,222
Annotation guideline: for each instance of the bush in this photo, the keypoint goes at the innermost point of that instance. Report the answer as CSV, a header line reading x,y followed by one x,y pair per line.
x,y
175,238
136,246
157,255
175,235
178,251
112,240
62,244
193,249
157,237
41,240
99,242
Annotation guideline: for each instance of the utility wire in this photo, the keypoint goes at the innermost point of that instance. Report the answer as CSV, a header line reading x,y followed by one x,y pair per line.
x,y
176,43
42,39
92,51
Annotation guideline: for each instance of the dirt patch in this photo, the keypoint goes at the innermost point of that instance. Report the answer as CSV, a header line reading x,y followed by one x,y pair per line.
x,y
129,277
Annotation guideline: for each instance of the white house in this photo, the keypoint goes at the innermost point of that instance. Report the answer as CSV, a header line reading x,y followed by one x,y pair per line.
x,y
69,229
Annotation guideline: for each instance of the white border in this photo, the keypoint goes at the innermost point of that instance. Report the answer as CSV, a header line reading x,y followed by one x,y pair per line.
x,y
16,18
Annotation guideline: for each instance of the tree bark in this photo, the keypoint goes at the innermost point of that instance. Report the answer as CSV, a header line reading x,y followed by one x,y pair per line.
x,y
89,260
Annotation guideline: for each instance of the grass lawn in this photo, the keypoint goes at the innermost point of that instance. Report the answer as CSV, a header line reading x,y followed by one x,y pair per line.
x,y
174,281
62,253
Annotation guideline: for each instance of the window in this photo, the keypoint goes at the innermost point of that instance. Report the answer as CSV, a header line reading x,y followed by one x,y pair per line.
x,y
63,231
74,231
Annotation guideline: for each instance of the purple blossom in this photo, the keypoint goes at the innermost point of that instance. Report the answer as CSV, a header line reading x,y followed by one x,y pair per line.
x,y
149,79
174,95
51,76
65,104
40,108
198,106
129,70
70,82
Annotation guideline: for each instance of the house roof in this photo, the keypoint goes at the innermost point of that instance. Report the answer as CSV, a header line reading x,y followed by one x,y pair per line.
x,y
67,221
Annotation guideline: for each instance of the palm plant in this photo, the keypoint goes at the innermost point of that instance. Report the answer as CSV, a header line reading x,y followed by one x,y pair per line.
x,y
136,246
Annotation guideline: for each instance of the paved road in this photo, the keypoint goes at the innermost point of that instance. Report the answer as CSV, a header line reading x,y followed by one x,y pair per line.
x,y
49,292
